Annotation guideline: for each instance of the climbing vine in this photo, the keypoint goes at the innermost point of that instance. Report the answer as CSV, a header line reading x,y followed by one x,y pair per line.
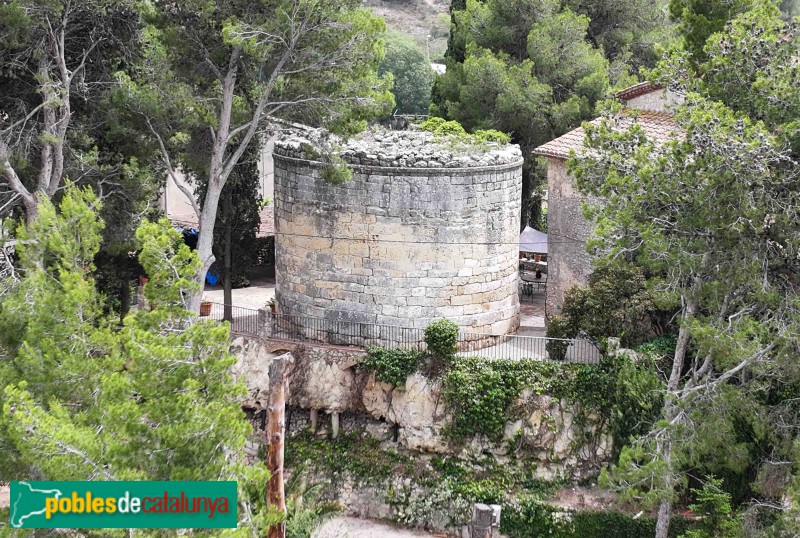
x,y
480,393
392,365
445,488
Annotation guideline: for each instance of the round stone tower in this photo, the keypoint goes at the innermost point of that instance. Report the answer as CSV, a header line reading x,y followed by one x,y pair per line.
x,y
426,229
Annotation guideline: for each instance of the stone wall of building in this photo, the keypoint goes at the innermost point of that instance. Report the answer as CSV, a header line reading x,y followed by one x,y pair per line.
x,y
568,262
656,101
418,234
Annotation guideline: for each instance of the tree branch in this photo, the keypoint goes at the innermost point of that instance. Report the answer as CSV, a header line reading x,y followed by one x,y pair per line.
x,y
170,170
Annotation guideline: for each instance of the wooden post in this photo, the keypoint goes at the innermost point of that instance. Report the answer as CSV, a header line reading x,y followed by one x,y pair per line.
x,y
274,436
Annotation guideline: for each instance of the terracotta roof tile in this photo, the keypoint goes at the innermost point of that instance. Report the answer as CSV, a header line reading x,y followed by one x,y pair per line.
x,y
658,126
636,90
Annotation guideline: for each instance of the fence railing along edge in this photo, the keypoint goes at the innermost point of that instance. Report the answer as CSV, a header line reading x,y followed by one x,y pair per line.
x,y
288,327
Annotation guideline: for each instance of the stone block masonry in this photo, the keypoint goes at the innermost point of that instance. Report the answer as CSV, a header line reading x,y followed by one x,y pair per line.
x,y
400,245
569,263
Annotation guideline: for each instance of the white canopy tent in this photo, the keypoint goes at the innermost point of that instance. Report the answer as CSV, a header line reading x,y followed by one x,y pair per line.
x,y
533,241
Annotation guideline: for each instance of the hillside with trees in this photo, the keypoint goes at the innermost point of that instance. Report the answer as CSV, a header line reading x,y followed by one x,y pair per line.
x,y
691,431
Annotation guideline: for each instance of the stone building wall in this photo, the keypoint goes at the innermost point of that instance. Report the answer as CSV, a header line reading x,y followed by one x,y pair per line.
x,y
568,262
414,236
656,101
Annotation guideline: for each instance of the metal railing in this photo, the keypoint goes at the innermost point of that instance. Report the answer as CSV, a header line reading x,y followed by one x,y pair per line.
x,y
516,347
341,333
262,323
244,321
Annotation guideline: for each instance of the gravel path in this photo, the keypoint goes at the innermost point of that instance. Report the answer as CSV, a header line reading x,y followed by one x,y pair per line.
x,y
350,527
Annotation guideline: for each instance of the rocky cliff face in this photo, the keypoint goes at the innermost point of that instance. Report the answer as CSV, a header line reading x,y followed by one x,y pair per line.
x,y
414,417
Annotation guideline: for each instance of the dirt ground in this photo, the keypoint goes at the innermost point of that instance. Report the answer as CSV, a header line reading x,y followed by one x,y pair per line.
x,y
254,296
4,499
351,527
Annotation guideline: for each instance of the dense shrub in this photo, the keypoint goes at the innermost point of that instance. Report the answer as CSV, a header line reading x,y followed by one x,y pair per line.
x,y
392,365
453,129
441,337
532,519
616,303
662,346
336,171
491,135
480,392
636,400
562,328
440,126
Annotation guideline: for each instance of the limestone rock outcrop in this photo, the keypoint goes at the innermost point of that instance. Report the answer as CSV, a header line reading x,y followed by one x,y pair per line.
x,y
327,379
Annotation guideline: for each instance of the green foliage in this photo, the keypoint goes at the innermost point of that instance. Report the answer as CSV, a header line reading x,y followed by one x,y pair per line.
x,y
109,398
536,69
491,135
711,218
662,346
55,303
480,393
442,127
456,133
336,171
441,338
418,489
751,69
531,518
636,400
618,303
392,366
697,20
170,264
561,329
713,505
615,303
305,508
81,138
411,73
350,456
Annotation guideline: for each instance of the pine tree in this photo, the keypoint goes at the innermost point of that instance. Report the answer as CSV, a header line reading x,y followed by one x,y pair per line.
x,y
153,400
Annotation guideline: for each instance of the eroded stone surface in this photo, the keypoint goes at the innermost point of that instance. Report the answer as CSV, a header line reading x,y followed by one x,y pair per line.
x,y
252,367
401,149
398,247
327,379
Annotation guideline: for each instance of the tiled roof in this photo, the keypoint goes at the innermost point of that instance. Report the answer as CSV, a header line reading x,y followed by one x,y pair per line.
x,y
658,126
266,228
637,90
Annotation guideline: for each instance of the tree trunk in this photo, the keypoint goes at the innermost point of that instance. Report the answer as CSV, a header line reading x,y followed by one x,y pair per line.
x,y
205,241
665,506
664,448
278,371
227,269
124,299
